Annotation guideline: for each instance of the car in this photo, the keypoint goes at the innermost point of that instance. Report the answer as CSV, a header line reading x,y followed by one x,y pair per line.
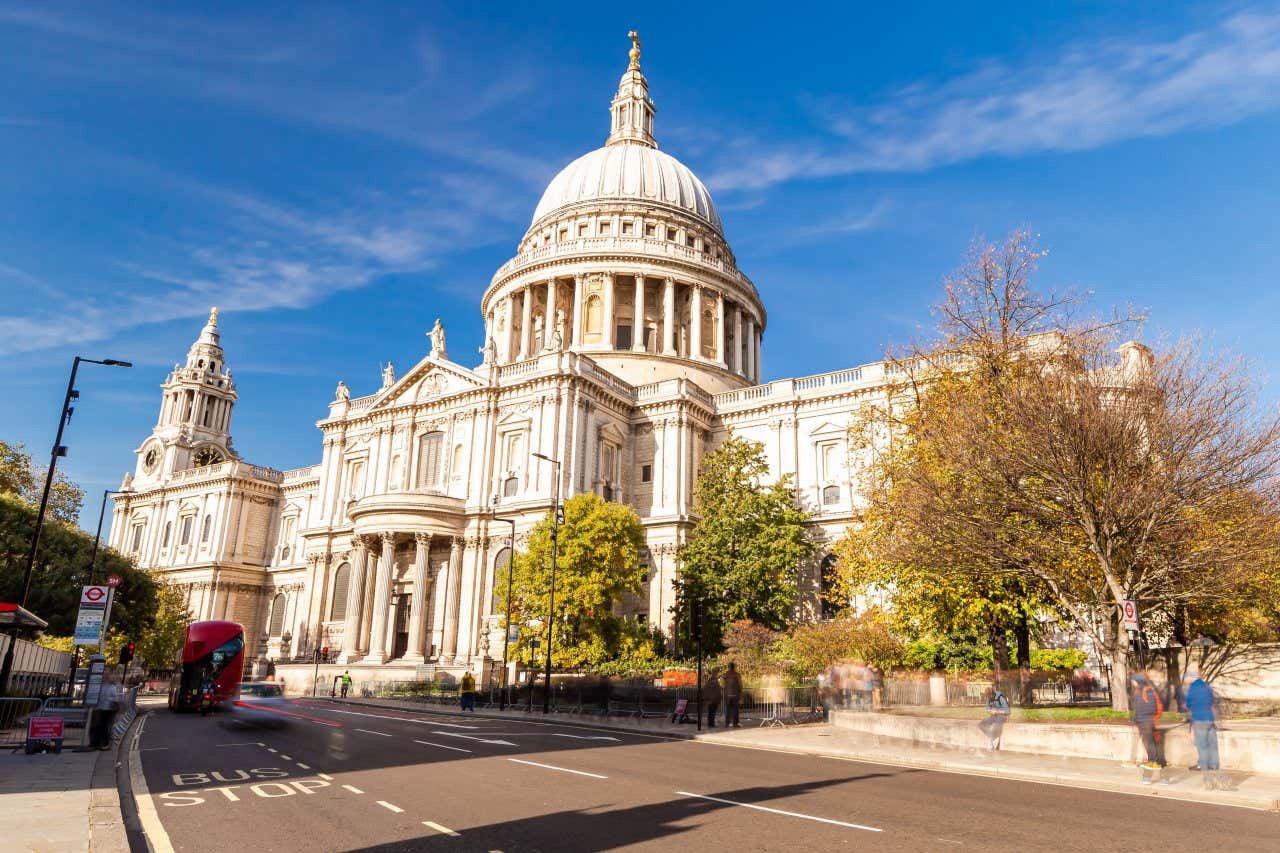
x,y
261,704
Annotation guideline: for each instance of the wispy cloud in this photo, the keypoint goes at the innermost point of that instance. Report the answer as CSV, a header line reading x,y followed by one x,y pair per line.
x,y
1087,96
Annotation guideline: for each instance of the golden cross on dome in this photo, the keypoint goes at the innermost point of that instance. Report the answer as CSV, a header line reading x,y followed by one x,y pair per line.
x,y
635,49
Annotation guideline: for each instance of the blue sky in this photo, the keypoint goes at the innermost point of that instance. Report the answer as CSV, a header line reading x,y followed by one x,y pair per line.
x,y
336,177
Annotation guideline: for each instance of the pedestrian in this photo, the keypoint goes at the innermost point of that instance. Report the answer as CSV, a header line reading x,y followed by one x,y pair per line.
x,y
732,696
997,715
1199,703
104,713
1147,707
346,682
467,692
712,694
877,688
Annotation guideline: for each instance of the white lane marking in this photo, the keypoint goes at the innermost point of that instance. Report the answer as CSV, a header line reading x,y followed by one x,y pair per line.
x,y
372,732
272,749
584,737
390,807
157,837
473,737
402,719
325,776
246,743
285,757
561,769
438,828
154,748
442,746
304,766
781,812
353,789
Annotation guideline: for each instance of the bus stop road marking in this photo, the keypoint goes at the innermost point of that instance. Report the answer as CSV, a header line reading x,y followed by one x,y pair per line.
x,y
353,789
431,824
561,769
325,776
781,812
285,757
390,807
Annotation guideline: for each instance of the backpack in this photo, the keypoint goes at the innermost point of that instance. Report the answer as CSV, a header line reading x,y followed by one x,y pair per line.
x,y
1147,699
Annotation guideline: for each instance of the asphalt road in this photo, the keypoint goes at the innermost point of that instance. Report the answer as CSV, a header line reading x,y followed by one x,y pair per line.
x,y
344,778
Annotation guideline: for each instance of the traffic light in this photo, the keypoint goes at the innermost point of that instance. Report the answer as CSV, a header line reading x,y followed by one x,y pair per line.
x,y
126,653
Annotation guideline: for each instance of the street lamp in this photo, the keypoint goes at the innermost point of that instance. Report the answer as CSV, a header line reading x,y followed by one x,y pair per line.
x,y
506,631
555,536
64,418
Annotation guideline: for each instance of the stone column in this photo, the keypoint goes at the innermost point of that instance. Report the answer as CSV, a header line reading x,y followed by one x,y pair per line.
x,y
749,366
414,652
608,311
576,334
549,316
669,318
720,355
355,600
695,323
637,324
756,339
453,602
382,600
526,322
735,363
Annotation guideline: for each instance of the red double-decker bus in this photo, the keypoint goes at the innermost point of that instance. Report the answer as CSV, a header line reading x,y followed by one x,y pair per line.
x,y
213,654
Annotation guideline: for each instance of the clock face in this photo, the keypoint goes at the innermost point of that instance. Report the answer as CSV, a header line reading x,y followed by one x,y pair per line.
x,y
149,461
207,456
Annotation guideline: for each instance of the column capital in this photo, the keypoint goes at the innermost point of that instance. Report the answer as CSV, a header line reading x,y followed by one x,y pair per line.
x,y
422,540
457,543
388,538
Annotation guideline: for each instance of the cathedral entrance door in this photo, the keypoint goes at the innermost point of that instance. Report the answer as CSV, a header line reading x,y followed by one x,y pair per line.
x,y
400,632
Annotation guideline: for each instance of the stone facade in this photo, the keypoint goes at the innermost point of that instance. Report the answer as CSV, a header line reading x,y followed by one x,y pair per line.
x,y
621,340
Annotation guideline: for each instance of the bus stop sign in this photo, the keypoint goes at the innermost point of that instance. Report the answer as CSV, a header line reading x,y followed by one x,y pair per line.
x,y
1130,615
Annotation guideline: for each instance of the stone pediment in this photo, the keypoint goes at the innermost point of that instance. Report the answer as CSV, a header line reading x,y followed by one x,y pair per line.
x,y
827,428
428,380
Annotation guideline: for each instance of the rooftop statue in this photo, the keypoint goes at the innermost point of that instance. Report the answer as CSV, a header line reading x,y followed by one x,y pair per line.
x,y
437,341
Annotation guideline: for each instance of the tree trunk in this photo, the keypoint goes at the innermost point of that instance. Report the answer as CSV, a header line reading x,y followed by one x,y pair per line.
x,y
999,649
1117,651
1022,633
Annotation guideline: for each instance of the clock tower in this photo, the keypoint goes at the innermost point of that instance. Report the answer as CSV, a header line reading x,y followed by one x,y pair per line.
x,y
194,426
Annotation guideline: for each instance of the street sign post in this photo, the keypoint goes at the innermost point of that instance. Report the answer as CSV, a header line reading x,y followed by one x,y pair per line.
x,y
1130,615
113,580
91,619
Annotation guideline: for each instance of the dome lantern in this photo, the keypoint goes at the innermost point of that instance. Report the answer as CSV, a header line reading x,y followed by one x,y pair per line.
x,y
632,109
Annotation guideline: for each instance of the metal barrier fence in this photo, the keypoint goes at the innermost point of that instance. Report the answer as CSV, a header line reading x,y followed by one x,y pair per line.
x,y
37,671
598,697
14,712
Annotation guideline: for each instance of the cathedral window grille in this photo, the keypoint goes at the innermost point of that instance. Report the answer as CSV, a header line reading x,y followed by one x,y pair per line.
x,y
510,486
204,530
355,480
341,583
277,614
137,537
429,448
168,529
830,495
499,585
186,530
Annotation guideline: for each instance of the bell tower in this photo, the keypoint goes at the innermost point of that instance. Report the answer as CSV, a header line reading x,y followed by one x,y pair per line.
x,y
194,426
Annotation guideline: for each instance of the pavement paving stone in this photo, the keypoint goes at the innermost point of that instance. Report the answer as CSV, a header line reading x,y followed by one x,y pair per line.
x,y
1254,791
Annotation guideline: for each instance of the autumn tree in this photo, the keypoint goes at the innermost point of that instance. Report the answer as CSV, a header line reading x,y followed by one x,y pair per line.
x,y
160,646
743,557
22,479
598,563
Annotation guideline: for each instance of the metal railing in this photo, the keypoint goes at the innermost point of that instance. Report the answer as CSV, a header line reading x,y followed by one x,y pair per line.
x,y
14,712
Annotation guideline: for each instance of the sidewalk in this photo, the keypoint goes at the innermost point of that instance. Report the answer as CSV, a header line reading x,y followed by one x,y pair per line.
x,y
64,802
1255,791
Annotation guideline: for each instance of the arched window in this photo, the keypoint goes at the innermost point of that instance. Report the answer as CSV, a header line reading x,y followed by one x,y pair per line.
x,y
341,581
168,529
277,614
429,446
500,563
830,495
186,529
830,609
204,530
510,486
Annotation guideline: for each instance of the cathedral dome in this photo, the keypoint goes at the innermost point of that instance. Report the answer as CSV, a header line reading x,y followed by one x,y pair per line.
x,y
629,171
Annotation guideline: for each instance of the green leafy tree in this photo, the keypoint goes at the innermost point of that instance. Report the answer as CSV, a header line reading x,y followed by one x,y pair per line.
x,y
811,648
743,557
160,646
598,563
751,648
25,481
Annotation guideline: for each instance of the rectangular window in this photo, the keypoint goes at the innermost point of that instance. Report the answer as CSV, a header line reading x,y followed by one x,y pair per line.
x,y
622,338
137,537
429,449
582,229
651,230
186,530
646,473
628,228
564,234
605,228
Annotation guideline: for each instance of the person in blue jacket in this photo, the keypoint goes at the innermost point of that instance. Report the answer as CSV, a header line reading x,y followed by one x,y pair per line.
x,y
1200,705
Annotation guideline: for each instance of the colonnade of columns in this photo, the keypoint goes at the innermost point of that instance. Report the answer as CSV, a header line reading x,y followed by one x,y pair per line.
x,y
684,319
369,634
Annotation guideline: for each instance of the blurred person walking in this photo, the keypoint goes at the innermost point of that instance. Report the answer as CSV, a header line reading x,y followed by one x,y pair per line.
x,y
104,713
1200,702
997,715
732,696
346,682
712,695
467,692
1147,707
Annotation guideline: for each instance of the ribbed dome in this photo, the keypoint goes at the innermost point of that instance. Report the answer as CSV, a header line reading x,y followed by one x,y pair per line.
x,y
629,171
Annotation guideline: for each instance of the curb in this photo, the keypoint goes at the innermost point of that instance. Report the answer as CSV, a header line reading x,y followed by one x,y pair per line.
x,y
1235,800
146,833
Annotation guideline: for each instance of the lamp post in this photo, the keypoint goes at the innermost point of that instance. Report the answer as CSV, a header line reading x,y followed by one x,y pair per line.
x,y
64,418
555,536
506,630
93,574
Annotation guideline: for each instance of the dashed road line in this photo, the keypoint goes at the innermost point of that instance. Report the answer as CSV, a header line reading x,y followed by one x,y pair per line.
x,y
561,769
353,789
245,743
272,749
285,757
325,776
420,721
304,766
368,732
781,812
390,807
442,746
438,828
